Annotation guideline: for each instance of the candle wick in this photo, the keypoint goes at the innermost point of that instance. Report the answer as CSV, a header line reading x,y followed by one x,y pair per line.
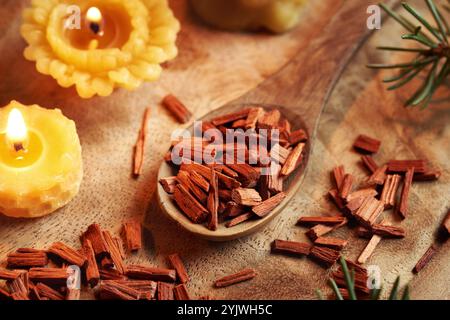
x,y
95,27
18,146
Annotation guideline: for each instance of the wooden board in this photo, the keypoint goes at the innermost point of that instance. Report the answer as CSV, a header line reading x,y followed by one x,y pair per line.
x,y
212,69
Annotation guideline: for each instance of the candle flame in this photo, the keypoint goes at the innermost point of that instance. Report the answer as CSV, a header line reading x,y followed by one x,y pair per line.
x,y
16,130
94,15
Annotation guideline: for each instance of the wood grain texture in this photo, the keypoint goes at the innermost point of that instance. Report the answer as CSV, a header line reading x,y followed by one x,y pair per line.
x,y
223,67
299,91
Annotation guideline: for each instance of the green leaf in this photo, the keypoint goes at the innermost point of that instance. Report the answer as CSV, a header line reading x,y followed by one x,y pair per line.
x,y
375,294
348,280
428,89
402,20
399,76
437,17
336,290
422,20
419,39
405,295
415,63
394,291
407,79
319,294
420,50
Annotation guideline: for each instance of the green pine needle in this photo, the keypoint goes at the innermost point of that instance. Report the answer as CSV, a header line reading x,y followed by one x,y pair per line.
x,y
350,286
433,57
348,280
405,295
320,294
394,291
375,294
336,290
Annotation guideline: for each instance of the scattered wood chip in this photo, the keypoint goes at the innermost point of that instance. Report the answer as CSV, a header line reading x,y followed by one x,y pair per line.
x,y
49,293
180,292
334,243
297,136
386,231
389,192
378,177
334,220
213,201
367,144
362,193
113,290
265,207
151,273
176,108
324,256
429,175
132,234
346,186
338,174
369,163
269,120
253,116
231,117
114,252
369,212
92,272
239,219
425,259
21,259
369,249
291,247
139,148
446,223
9,274
193,209
95,235
147,289
246,197
293,160
50,276
67,253
334,195
168,184
177,264
402,166
244,275
403,207
165,291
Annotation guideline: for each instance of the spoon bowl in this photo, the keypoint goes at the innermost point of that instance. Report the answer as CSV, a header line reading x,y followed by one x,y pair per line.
x,y
300,90
291,184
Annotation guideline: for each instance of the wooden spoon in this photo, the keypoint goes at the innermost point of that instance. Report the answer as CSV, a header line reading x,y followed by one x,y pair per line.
x,y
299,90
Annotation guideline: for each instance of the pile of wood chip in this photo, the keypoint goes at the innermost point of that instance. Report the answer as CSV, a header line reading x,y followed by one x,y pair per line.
x,y
245,178
33,274
386,187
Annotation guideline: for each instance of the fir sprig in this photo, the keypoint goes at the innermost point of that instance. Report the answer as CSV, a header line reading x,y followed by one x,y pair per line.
x,y
350,284
432,58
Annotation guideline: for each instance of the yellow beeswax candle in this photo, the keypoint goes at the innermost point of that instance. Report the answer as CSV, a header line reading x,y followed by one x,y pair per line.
x,y
99,45
40,160
274,15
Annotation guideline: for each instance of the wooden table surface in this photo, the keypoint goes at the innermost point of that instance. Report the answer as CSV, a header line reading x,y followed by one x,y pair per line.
x,y
213,68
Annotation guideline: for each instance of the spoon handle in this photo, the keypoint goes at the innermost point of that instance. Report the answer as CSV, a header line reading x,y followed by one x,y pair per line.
x,y
307,81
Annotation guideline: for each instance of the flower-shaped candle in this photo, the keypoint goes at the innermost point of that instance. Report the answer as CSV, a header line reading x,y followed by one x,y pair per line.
x,y
40,160
98,45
